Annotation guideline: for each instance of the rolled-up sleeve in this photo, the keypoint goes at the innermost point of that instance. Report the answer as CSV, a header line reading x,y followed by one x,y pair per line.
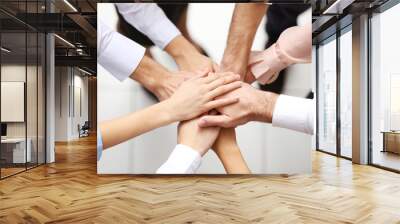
x,y
183,160
116,53
293,46
294,113
149,19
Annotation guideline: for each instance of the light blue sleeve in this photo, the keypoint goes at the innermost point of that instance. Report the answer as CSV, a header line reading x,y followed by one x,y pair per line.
x,y
99,145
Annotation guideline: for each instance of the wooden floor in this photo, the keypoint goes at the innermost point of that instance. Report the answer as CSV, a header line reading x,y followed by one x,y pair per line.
x,y
69,191
387,159
10,171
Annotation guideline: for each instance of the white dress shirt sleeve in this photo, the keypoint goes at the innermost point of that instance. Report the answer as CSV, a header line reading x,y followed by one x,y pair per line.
x,y
116,53
149,19
183,160
294,113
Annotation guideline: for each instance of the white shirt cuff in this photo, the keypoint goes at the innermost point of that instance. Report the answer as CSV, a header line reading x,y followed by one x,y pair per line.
x,y
163,32
149,19
120,55
183,160
294,113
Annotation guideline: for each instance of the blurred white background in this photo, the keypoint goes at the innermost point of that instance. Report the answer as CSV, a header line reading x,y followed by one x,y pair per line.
x,y
266,149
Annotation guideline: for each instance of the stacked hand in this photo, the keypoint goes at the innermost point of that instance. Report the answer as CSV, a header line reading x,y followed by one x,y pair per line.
x,y
253,105
199,94
236,102
199,139
165,88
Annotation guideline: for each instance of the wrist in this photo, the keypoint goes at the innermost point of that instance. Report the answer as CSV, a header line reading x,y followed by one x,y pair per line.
x,y
193,142
168,112
179,48
156,84
235,58
195,147
233,62
150,74
264,106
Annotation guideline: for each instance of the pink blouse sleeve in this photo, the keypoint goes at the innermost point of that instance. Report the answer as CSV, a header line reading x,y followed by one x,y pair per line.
x,y
293,46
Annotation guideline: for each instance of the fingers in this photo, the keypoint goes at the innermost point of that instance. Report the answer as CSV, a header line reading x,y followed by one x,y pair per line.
x,y
221,90
216,76
220,103
223,79
216,120
212,77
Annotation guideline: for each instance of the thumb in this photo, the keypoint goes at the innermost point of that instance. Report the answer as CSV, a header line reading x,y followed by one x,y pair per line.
x,y
215,120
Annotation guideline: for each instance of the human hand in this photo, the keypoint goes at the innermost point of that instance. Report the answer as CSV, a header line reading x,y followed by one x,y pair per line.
x,y
197,95
157,79
253,105
164,88
199,139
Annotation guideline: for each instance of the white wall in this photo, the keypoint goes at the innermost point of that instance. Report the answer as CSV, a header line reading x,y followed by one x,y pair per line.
x,y
66,121
80,83
61,103
266,149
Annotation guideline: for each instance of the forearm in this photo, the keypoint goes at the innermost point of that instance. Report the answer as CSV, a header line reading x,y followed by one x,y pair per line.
x,y
124,128
199,139
150,74
231,158
179,47
263,108
187,56
228,152
245,20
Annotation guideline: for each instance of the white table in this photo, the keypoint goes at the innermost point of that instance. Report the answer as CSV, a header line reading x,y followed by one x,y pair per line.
x,y
19,155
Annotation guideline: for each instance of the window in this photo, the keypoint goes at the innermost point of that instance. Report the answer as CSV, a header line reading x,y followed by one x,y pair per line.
x,y
327,95
385,89
22,88
346,75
